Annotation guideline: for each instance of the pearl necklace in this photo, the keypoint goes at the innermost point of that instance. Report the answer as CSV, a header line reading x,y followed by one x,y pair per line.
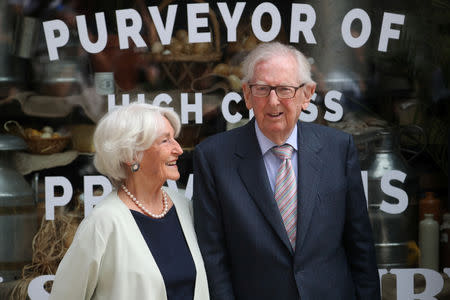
x,y
146,211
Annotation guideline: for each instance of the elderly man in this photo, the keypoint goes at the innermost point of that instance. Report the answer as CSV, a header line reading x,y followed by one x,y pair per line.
x,y
279,206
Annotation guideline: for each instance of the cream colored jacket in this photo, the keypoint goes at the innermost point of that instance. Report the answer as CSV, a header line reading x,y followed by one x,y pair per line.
x,y
109,258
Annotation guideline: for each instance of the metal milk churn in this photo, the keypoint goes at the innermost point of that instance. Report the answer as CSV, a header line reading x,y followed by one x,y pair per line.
x,y
18,217
12,69
395,233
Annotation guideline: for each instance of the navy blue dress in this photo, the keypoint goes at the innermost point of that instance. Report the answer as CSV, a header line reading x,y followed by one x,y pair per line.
x,y
166,242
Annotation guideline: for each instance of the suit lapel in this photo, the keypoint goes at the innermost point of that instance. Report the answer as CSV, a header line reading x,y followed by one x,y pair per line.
x,y
254,176
309,168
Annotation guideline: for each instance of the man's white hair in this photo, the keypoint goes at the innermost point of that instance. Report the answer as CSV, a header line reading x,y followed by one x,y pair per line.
x,y
266,51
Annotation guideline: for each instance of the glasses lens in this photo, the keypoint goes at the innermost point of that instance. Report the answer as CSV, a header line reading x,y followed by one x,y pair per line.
x,y
285,91
260,90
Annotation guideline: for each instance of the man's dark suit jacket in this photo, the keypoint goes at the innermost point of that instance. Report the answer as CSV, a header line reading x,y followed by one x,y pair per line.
x,y
241,234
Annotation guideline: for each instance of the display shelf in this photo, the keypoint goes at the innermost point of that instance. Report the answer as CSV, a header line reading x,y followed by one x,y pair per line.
x,y
27,163
43,106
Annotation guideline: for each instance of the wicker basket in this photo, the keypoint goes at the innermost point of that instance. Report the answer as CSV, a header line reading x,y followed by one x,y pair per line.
x,y
38,145
182,68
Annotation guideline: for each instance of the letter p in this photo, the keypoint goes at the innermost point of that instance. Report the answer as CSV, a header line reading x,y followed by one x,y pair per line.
x,y
51,200
53,41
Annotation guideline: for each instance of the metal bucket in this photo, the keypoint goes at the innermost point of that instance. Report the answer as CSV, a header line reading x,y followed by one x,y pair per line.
x,y
57,78
12,69
62,77
18,216
395,235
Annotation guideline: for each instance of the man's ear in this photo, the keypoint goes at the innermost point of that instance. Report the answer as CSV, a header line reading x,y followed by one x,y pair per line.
x,y
247,96
308,92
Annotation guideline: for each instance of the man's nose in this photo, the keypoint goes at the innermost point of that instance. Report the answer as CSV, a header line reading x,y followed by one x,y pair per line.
x,y
273,97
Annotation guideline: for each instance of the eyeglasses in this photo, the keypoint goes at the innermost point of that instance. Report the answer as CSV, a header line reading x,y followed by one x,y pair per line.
x,y
282,91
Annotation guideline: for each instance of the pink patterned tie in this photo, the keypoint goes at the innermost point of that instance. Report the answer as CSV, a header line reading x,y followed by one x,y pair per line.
x,y
286,190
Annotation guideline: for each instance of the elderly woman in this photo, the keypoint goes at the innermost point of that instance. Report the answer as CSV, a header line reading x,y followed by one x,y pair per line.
x,y
138,242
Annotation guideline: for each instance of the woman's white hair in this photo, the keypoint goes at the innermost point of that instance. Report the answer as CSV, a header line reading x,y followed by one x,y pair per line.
x,y
123,134
266,51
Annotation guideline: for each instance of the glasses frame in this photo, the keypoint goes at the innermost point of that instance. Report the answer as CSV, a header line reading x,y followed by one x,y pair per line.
x,y
275,89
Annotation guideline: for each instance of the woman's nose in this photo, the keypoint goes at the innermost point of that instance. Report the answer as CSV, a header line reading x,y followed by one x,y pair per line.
x,y
177,148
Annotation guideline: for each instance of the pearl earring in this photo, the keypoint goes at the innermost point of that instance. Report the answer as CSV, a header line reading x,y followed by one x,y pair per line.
x,y
135,167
